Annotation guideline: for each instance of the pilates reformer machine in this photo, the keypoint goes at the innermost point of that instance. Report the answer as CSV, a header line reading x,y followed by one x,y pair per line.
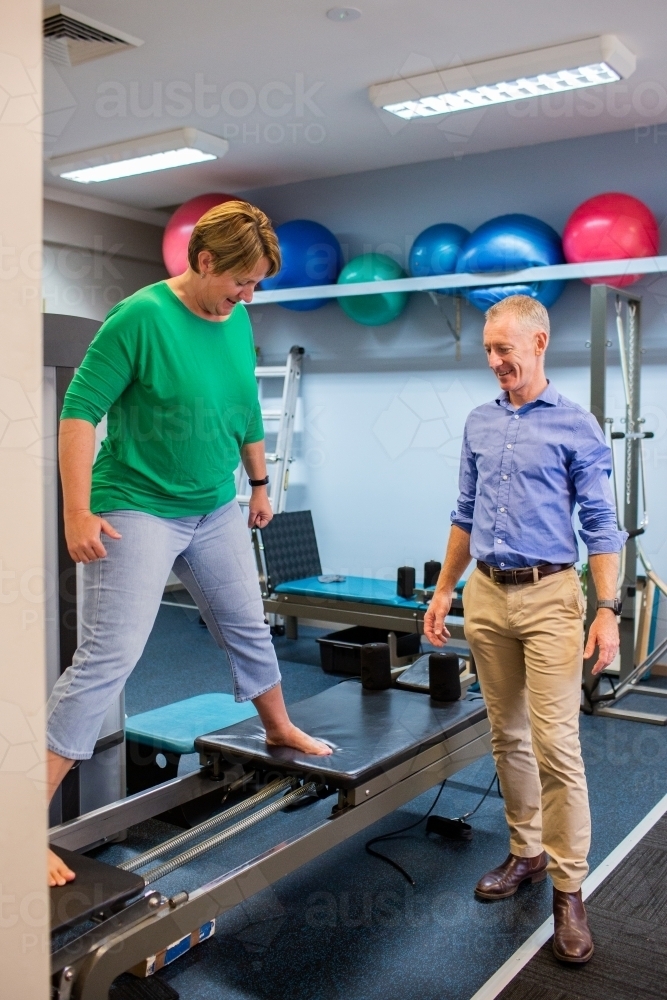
x,y
290,573
389,746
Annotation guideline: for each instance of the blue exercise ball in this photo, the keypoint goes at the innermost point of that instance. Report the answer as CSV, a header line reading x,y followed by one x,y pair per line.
x,y
311,255
436,250
509,243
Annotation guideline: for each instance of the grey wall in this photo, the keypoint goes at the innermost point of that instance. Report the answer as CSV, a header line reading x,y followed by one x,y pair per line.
x,y
92,259
383,408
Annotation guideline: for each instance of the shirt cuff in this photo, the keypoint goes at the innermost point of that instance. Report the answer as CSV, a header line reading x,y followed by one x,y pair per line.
x,y
74,413
461,522
599,545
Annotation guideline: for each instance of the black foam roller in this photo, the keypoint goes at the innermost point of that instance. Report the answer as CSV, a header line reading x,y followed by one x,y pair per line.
x,y
405,581
431,572
443,677
375,666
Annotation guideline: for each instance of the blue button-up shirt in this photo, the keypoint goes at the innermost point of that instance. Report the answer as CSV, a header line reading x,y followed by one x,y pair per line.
x,y
522,472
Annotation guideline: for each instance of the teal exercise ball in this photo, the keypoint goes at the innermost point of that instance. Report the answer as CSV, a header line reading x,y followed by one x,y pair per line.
x,y
372,310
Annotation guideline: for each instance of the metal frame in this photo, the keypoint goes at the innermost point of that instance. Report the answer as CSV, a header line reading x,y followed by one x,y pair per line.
x,y
101,825
630,673
86,967
384,616
280,460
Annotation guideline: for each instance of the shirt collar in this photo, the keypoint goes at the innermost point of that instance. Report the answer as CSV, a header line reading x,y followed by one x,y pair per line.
x,y
550,396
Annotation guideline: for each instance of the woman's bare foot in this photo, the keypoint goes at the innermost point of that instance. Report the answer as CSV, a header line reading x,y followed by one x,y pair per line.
x,y
298,740
59,873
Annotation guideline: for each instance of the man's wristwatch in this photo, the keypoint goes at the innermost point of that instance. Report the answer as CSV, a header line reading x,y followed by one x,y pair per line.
x,y
259,482
616,606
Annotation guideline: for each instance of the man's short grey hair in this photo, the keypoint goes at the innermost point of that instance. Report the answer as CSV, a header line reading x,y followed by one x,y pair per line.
x,y
530,313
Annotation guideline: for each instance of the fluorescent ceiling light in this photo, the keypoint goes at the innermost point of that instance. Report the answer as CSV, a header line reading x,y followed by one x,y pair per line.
x,y
588,63
146,154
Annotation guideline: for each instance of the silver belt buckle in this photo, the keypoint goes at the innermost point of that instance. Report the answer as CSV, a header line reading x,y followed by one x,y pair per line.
x,y
492,573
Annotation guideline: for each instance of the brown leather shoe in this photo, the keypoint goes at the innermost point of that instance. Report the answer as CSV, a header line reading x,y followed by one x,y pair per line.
x,y
506,879
572,938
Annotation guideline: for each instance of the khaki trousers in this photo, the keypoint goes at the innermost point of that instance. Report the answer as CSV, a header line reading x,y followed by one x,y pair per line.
x,y
527,641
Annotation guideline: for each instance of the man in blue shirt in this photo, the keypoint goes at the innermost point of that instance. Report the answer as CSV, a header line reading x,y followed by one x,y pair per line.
x,y
527,459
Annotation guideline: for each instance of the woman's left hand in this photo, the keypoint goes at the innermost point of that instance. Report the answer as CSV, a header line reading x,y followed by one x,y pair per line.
x,y
260,512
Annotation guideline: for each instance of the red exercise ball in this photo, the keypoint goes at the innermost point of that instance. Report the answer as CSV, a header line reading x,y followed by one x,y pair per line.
x,y
609,227
179,230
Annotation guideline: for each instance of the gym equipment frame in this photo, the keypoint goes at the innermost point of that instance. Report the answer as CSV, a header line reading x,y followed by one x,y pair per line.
x,y
330,609
628,326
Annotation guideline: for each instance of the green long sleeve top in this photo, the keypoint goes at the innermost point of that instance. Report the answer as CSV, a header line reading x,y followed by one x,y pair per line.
x,y
181,398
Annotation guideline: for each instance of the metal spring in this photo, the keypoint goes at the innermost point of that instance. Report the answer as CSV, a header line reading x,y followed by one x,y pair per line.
x,y
206,845
272,789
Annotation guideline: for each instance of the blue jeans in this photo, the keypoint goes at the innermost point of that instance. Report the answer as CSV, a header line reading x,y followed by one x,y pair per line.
x,y
212,556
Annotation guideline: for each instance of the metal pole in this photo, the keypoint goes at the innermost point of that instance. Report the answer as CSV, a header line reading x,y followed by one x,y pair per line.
x,y
631,484
599,299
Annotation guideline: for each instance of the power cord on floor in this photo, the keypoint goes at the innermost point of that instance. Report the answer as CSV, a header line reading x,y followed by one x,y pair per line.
x,y
472,812
396,834
455,828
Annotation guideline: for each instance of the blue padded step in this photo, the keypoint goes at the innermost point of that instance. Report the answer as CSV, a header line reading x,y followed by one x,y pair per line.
x,y
175,727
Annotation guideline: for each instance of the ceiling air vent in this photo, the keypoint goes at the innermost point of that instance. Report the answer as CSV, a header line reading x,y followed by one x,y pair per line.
x,y
71,38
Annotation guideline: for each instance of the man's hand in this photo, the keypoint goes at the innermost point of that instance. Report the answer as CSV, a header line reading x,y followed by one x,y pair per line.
x,y
434,619
603,633
260,512
83,532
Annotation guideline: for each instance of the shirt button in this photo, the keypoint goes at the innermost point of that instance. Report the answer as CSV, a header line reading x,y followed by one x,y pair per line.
x,y
501,565
509,445
504,477
516,416
502,510
499,541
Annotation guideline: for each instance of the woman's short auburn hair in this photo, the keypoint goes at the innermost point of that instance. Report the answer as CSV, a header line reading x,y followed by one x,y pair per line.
x,y
237,235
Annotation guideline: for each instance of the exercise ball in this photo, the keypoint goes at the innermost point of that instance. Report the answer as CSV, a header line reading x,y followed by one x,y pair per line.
x,y
436,250
311,255
509,243
372,310
179,230
611,226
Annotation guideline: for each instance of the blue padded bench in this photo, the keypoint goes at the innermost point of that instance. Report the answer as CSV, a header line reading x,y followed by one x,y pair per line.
x,y
156,740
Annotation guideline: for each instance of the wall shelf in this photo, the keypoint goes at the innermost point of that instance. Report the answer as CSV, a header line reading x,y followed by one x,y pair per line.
x,y
449,282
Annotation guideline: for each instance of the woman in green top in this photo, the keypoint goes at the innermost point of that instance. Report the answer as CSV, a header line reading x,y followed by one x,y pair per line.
x,y
173,368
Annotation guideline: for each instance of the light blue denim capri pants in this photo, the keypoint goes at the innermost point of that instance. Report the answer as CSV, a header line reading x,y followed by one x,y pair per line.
x,y
212,556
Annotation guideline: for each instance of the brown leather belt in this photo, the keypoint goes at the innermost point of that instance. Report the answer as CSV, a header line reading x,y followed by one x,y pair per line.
x,y
527,574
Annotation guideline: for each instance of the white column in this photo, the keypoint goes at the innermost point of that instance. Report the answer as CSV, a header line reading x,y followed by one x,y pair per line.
x,y
24,917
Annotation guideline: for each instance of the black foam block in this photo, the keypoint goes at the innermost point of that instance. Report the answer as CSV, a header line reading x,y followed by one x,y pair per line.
x,y
443,676
375,666
405,581
431,573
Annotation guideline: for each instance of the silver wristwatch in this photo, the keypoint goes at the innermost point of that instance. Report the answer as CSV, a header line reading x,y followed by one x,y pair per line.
x,y
615,605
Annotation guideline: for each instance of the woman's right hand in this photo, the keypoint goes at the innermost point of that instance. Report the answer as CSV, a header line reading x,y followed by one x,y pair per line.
x,y
83,531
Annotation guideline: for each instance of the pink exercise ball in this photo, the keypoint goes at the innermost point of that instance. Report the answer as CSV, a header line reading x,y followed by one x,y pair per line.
x,y
179,230
611,226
